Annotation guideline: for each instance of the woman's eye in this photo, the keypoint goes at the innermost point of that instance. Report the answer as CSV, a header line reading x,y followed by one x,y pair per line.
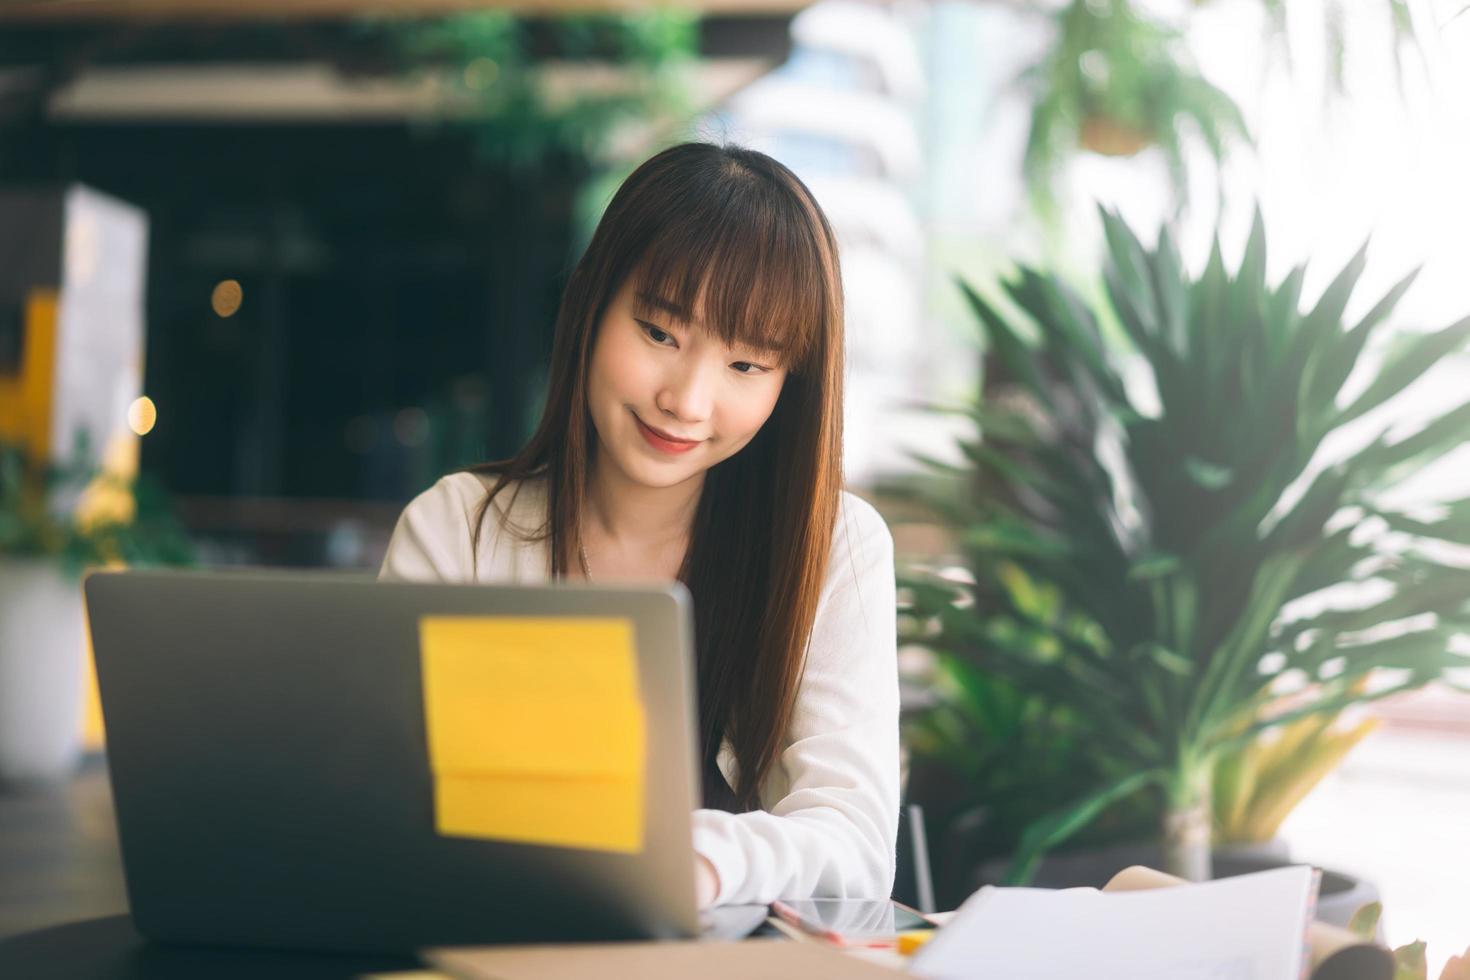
x,y
655,334
665,339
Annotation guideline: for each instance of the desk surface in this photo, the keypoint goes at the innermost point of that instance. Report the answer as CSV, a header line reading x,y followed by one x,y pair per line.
x,y
59,857
63,902
109,949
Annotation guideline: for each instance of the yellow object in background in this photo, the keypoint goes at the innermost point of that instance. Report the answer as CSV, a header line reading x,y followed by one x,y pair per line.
x,y
25,397
910,941
94,735
536,732
108,498
94,738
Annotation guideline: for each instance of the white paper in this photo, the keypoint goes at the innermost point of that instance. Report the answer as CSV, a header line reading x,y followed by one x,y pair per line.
x,y
1250,927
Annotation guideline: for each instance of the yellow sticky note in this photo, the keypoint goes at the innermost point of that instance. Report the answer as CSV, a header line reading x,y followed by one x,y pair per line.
x,y
474,732
602,814
535,729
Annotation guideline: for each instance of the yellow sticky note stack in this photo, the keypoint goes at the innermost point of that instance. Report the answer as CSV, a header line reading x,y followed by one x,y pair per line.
x,y
536,731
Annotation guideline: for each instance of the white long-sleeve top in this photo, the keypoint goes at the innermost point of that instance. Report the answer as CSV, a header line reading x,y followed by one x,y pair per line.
x,y
829,808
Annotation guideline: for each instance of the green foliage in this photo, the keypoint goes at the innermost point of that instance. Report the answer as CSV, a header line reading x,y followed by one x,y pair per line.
x,y
1364,923
1112,70
987,758
39,516
496,87
1116,79
1409,962
1409,959
1258,783
1171,540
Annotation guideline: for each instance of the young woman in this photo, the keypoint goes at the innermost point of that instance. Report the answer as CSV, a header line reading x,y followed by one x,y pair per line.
x,y
693,432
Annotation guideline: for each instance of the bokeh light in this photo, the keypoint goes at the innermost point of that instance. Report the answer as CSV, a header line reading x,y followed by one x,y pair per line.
x,y
142,415
480,74
411,426
227,297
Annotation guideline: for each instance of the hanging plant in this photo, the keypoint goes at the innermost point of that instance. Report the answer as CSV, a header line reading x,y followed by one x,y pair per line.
x,y
1116,82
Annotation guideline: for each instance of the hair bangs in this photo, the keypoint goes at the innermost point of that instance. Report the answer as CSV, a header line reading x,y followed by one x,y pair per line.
x,y
762,277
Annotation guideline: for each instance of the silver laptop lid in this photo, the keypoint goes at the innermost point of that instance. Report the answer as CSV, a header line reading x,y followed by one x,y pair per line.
x,y
266,742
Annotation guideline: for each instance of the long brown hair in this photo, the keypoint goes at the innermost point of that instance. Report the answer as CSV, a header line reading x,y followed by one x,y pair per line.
x,y
747,229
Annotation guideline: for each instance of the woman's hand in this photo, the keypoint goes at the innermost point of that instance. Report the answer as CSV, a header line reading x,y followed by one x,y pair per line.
x,y
706,881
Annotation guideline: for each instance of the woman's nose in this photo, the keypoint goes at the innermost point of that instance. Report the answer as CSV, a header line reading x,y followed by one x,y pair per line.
x,y
688,392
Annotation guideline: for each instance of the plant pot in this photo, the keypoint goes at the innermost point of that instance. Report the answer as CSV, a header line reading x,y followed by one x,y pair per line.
x,y
1112,138
1276,849
42,659
1341,894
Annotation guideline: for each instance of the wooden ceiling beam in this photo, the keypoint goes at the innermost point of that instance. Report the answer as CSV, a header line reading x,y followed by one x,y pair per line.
x,y
307,92
239,11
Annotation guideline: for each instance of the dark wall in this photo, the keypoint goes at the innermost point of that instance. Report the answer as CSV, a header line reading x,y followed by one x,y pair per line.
x,y
399,297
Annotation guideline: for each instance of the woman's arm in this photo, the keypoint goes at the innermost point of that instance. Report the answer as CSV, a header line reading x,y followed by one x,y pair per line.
x,y
831,805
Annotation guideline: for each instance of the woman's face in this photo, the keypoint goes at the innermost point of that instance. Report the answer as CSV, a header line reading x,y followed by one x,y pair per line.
x,y
656,376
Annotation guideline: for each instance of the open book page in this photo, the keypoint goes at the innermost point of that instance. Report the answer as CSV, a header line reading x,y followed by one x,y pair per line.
x,y
1245,928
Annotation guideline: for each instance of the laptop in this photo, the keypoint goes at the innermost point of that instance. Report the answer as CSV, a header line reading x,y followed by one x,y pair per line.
x,y
269,765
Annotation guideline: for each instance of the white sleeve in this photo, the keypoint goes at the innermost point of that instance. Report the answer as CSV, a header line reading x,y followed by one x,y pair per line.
x,y
431,542
833,831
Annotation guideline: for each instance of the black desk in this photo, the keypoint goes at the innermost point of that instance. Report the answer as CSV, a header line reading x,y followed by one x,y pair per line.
x,y
109,949
59,859
63,905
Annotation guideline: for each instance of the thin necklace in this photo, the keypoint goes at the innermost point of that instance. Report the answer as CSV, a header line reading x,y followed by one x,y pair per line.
x,y
582,552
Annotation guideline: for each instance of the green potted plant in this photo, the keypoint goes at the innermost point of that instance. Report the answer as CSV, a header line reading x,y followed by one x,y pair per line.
x,y
55,522
988,760
1131,570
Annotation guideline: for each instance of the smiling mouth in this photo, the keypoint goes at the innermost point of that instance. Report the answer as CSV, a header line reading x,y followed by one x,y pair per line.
x,y
663,441
664,435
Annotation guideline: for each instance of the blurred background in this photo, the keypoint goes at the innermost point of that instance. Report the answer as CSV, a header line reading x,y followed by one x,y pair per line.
x,y
268,270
